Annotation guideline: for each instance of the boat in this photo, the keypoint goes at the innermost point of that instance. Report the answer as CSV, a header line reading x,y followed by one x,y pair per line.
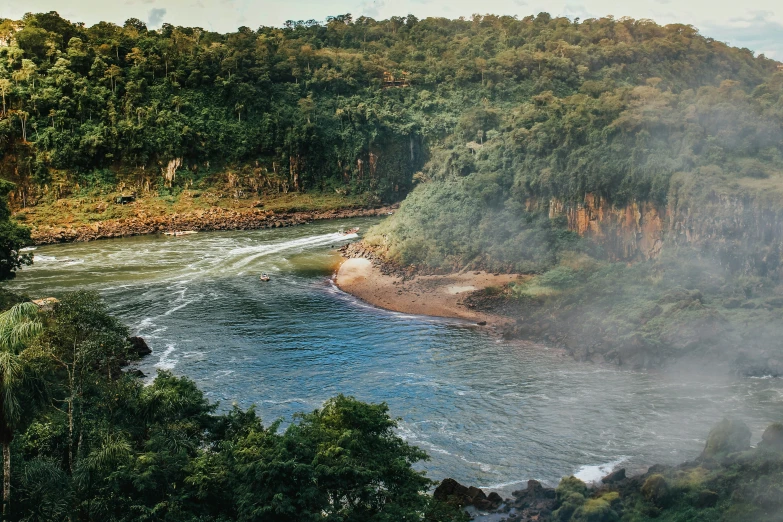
x,y
264,277
180,233
351,231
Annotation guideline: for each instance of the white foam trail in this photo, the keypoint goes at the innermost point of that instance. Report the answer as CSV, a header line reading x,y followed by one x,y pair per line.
x,y
166,362
256,251
503,485
594,473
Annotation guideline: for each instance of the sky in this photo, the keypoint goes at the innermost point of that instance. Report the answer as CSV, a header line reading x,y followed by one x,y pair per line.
x,y
755,24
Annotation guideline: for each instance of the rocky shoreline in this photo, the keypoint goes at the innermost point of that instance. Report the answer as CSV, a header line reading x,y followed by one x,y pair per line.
x,y
202,220
729,476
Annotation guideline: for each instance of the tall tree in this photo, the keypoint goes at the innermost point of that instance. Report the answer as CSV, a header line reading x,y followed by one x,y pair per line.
x,y
13,238
18,326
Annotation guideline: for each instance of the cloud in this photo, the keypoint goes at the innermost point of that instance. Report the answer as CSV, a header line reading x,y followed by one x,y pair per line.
x,y
759,32
576,11
372,8
156,17
520,3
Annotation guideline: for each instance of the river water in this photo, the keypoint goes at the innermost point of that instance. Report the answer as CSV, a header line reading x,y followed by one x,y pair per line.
x,y
489,413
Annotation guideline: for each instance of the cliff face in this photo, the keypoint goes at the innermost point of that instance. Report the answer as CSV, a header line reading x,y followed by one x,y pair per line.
x,y
632,232
742,233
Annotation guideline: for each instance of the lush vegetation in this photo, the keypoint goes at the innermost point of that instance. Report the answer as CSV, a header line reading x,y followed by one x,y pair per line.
x,y
729,482
83,440
492,118
486,204
13,238
543,105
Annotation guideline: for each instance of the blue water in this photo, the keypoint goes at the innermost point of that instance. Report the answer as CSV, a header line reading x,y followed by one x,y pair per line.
x,y
489,413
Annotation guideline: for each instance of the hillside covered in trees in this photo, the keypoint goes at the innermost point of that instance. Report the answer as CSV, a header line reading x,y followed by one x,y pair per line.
x,y
359,105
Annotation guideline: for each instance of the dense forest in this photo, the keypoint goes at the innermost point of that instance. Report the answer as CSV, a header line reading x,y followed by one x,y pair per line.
x,y
360,105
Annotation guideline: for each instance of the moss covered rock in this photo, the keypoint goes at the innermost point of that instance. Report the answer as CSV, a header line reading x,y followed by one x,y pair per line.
x,y
773,437
728,436
656,490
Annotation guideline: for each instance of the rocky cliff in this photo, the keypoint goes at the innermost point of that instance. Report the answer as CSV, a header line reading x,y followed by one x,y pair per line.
x,y
629,232
742,233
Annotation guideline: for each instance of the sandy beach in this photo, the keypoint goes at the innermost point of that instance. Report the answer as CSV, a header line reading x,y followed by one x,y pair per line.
x,y
436,295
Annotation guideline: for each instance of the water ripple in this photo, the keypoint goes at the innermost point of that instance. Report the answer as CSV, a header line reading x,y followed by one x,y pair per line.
x,y
489,412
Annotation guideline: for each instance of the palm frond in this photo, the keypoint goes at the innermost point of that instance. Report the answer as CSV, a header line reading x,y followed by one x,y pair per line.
x,y
18,325
11,376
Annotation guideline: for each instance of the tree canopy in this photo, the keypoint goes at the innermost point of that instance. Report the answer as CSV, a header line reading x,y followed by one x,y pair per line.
x,y
102,445
347,104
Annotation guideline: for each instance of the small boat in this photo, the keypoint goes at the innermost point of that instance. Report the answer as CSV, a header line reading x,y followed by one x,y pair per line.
x,y
180,233
264,277
351,231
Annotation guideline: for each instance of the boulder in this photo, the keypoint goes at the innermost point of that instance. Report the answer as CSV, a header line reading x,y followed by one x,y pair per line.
x,y
536,497
140,346
773,437
615,476
449,490
656,490
452,492
728,436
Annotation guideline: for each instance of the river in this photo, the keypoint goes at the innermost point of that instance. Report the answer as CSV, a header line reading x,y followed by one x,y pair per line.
x,y
490,413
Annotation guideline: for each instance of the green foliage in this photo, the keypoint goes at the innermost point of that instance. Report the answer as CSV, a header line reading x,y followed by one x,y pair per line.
x,y
13,238
552,104
447,225
342,462
104,446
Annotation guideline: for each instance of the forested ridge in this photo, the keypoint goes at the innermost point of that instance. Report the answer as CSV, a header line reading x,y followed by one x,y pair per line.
x,y
352,105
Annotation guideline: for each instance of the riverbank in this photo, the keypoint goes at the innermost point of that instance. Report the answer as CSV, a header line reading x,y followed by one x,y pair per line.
x,y
605,313
198,220
440,295
730,481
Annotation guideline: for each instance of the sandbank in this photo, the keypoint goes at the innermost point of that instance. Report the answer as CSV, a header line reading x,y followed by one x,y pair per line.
x,y
435,295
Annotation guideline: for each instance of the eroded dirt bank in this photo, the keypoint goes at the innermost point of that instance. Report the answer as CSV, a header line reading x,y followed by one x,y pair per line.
x,y
201,220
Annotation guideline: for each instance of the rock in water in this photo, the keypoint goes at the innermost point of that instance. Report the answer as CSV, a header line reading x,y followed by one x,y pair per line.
x,y
728,436
453,492
534,500
449,490
140,346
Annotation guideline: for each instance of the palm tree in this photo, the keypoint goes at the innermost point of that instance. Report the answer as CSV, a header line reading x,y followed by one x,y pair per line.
x,y
18,326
